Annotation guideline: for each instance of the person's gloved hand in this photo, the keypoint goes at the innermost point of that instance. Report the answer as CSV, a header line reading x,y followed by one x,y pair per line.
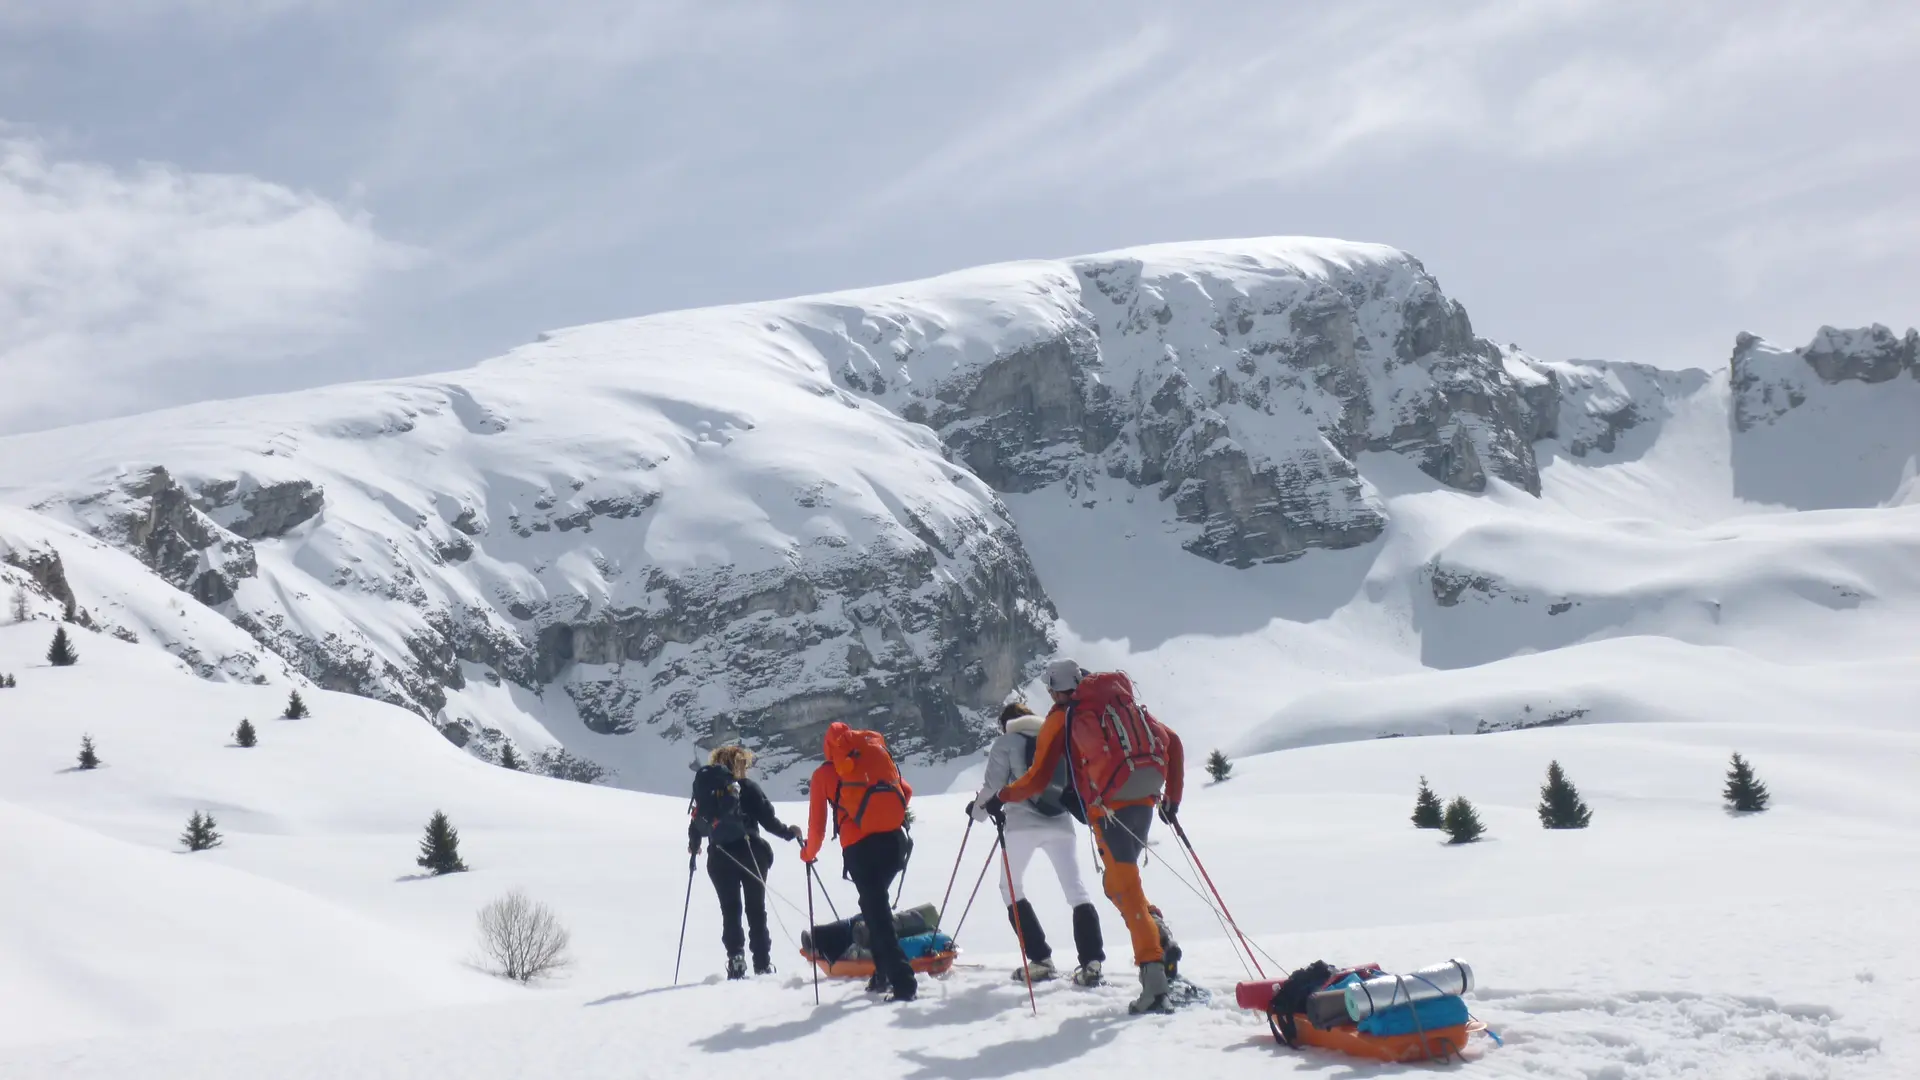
x,y
693,845
975,813
1170,812
794,834
994,809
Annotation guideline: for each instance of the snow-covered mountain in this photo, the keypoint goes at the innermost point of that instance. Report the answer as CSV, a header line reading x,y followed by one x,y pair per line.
x,y
638,536
1282,482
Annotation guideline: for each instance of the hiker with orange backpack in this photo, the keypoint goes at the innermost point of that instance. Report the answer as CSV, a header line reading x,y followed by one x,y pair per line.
x,y
1121,764
868,797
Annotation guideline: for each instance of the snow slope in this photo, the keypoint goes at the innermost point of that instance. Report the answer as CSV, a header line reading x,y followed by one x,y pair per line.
x,y
1669,940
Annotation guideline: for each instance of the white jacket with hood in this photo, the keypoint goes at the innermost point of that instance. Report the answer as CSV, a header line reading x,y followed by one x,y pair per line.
x,y
1006,762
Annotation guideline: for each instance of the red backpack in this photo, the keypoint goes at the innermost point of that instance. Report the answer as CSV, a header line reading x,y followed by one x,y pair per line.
x,y
869,798
1119,753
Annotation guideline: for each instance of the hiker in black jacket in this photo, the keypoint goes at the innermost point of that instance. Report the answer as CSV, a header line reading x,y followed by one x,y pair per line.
x,y
729,810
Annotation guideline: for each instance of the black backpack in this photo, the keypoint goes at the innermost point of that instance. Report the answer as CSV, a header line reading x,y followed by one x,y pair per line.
x,y
1054,801
716,805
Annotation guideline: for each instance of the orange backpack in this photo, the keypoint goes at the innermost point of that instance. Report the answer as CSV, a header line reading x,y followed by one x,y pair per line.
x,y
869,796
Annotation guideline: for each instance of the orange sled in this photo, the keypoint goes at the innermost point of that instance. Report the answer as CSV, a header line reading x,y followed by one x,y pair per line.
x,y
938,963
1438,1044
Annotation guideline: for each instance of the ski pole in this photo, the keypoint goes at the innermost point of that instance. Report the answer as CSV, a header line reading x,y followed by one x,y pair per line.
x,y
964,912
951,878
1181,832
813,928
1019,932
692,861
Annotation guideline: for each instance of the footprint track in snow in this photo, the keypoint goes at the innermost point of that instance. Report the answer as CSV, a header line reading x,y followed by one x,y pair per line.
x,y
1661,1036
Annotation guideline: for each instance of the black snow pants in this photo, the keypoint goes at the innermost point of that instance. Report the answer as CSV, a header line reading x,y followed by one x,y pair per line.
x,y
739,872
872,864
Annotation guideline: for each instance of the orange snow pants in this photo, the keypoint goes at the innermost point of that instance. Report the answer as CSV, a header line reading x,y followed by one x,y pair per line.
x,y
1122,835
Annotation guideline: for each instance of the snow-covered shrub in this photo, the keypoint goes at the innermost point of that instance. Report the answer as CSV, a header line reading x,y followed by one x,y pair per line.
x,y
522,940
1463,822
61,653
1427,810
556,762
440,848
1744,791
200,834
1560,804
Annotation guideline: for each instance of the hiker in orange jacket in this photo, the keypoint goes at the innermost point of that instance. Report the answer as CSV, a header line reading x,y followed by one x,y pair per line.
x,y
1119,827
873,845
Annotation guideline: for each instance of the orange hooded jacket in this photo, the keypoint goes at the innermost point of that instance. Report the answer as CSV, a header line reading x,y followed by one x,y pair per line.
x,y
1052,742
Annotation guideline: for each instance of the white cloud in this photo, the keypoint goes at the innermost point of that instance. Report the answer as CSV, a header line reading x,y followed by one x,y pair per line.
x,y
116,285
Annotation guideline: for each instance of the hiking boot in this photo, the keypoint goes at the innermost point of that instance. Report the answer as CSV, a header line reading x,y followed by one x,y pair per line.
x,y
1038,971
1172,960
736,966
1153,990
907,994
1087,974
763,965
877,984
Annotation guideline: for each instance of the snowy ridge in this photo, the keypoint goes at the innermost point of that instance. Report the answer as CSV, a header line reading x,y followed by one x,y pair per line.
x,y
641,537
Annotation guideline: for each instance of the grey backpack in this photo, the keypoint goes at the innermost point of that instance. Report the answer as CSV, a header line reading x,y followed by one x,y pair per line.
x,y
1053,801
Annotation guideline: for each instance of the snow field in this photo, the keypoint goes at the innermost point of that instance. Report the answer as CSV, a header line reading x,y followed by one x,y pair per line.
x,y
1670,939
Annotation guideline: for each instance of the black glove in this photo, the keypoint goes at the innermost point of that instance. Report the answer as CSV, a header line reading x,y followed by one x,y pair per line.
x,y
794,834
693,845
969,809
993,808
1170,813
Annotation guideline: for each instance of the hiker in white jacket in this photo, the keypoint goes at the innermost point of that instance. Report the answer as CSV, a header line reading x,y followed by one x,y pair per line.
x,y
1040,824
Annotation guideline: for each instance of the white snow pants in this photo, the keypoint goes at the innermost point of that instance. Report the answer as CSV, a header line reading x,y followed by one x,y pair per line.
x,y
1060,842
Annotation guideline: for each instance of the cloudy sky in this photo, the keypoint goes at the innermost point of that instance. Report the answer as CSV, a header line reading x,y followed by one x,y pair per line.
x,y
202,198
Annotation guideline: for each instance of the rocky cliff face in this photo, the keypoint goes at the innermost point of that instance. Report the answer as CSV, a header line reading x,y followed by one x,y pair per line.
x,y
1238,383
1770,381
744,523
588,540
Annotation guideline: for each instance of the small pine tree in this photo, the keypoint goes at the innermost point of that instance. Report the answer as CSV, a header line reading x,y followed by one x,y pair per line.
x,y
296,706
440,848
6,682
18,607
244,736
60,653
511,760
1463,822
1427,812
1744,791
200,834
1218,766
1560,804
88,759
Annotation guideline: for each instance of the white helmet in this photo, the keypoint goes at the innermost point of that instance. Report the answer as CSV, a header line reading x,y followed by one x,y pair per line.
x,y
1063,675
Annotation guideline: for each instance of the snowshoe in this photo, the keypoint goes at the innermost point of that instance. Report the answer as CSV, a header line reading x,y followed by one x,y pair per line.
x,y
736,966
1087,974
1038,971
1182,993
763,966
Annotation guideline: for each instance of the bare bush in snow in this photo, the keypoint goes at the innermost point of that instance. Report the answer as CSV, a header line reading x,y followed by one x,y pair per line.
x,y
558,763
521,939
